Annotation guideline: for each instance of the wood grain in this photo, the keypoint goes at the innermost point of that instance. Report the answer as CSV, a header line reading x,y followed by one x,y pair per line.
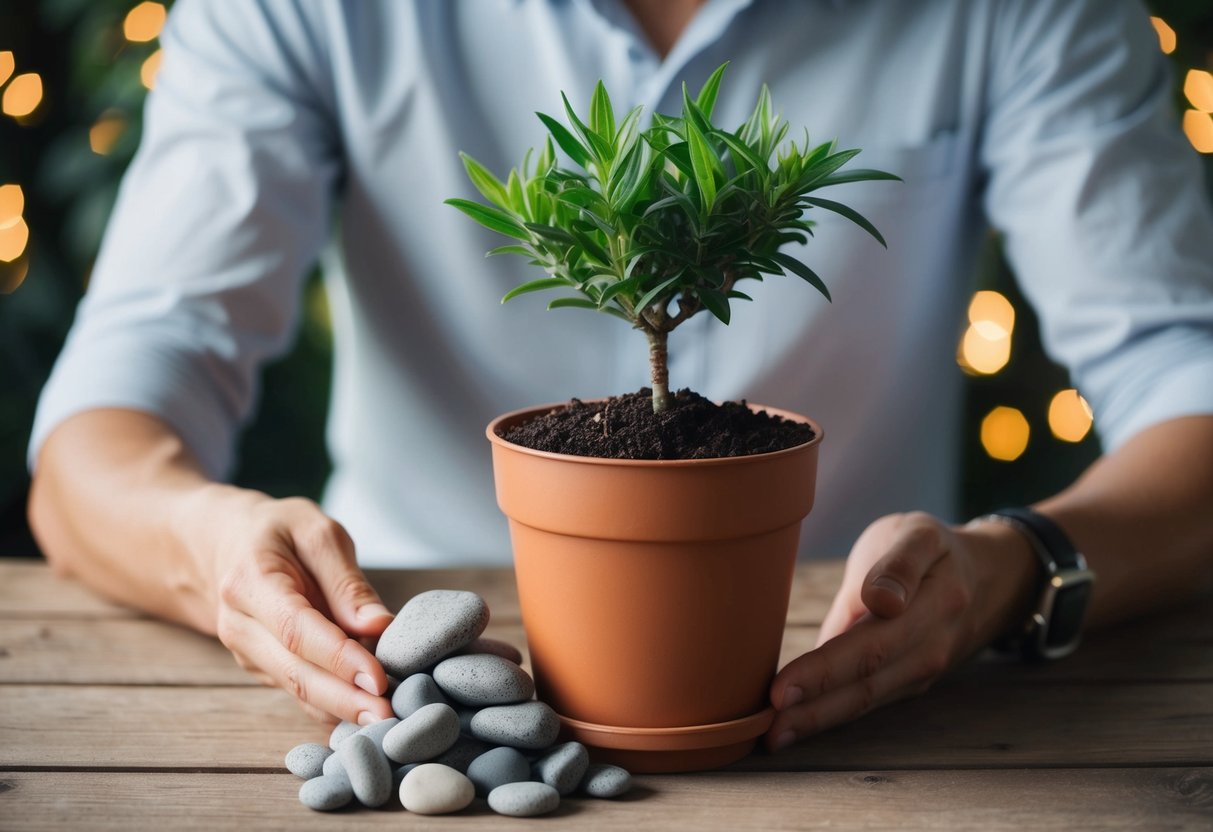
x,y
28,589
1006,801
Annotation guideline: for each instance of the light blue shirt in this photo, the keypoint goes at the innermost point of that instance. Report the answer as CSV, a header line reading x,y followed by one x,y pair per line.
x,y
281,131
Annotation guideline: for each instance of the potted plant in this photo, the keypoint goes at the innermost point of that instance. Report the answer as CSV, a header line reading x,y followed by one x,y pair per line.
x,y
654,590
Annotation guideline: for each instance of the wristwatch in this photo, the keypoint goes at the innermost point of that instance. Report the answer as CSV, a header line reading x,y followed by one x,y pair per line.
x,y
1054,628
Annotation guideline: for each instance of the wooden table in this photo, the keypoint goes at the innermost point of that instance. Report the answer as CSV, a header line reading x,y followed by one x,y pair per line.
x,y
109,720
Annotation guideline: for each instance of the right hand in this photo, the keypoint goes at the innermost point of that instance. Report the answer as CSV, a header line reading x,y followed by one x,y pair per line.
x,y
291,601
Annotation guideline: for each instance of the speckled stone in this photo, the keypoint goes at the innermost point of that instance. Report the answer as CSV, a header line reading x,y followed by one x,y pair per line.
x,y
342,730
530,725
482,679
326,793
369,772
426,733
377,730
415,693
433,789
462,753
430,626
497,767
307,760
493,647
524,800
563,767
333,765
607,781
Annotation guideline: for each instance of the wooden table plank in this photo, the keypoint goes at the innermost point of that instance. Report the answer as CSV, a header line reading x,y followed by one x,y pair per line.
x,y
956,726
1060,799
29,589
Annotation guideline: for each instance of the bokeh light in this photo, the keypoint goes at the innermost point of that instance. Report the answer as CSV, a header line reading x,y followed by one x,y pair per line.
x,y
144,22
1005,433
8,64
1198,127
23,95
150,68
1198,89
985,347
13,240
1069,416
12,203
1166,35
105,132
11,277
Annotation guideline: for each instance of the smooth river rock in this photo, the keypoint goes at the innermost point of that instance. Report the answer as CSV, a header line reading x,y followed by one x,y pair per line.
x,y
368,770
602,780
462,753
333,765
326,793
433,789
529,725
524,800
307,760
428,731
497,767
377,730
493,647
563,767
341,730
414,693
429,627
483,679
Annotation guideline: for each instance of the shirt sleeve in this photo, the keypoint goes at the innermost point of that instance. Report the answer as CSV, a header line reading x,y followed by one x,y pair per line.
x,y
1103,206
220,215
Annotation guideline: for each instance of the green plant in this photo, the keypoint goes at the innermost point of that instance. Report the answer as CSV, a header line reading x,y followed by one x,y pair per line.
x,y
657,225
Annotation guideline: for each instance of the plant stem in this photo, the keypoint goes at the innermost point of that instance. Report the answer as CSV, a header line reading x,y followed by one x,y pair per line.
x,y
659,369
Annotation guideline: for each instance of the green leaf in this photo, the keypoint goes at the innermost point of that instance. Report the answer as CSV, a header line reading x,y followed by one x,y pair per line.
x,y
574,149
573,303
591,248
552,233
801,270
715,302
491,218
856,175
619,287
825,167
706,100
510,250
850,213
535,286
702,164
742,153
600,147
736,295
652,294
602,117
488,184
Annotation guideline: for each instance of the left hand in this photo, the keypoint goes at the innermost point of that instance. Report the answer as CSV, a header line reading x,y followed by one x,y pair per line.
x,y
918,597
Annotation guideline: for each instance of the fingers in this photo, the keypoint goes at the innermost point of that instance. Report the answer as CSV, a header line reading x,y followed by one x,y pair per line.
x,y
320,692
912,544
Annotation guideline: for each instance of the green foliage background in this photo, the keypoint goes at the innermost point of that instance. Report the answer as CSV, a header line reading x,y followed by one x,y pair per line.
x,y
89,69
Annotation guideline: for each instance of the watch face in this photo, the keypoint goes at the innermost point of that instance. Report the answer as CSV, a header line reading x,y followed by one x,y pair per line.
x,y
1069,606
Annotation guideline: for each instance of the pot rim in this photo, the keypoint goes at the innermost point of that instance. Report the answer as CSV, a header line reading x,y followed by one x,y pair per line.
x,y
498,440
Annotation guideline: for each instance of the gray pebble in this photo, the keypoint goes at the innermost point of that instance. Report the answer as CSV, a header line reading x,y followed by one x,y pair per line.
x,y
307,760
483,680
524,800
326,793
531,725
368,770
493,647
398,775
603,780
430,626
341,730
563,767
333,765
414,693
433,789
462,753
427,732
497,767
377,730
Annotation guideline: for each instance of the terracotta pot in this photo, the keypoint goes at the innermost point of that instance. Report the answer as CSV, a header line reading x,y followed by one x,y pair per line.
x,y
654,592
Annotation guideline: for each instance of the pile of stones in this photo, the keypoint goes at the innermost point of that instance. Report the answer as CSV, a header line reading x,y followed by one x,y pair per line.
x,y
466,725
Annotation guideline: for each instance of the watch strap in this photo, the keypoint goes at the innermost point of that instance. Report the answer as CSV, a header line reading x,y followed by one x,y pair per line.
x,y
1051,544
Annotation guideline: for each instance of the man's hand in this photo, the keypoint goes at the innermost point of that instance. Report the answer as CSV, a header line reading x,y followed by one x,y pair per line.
x,y
283,574
918,596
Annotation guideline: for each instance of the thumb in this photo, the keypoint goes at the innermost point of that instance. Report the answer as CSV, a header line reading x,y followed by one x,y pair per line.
x,y
915,543
355,605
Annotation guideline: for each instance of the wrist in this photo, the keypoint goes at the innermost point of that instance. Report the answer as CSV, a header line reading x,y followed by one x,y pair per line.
x,y
1007,578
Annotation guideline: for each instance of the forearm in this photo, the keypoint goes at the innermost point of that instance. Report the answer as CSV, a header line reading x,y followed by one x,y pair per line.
x,y
112,502
1143,517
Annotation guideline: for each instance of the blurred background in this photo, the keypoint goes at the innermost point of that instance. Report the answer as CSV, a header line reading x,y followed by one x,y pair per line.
x,y
73,75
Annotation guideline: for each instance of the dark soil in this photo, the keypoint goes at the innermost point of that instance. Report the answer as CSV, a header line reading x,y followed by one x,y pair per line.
x,y
625,427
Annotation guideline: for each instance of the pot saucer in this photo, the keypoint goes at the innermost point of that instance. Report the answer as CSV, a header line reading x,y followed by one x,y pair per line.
x,y
685,748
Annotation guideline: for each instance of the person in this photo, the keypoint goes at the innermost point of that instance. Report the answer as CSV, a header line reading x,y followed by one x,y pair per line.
x,y
281,132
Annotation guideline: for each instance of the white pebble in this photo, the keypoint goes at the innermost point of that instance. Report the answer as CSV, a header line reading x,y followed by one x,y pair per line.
x,y
563,767
496,768
530,725
483,679
307,760
427,732
414,693
607,781
368,770
429,627
333,765
524,800
326,793
432,789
